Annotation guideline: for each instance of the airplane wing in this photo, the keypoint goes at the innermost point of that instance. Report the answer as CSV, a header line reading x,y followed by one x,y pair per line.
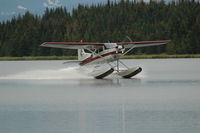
x,y
143,43
81,45
72,45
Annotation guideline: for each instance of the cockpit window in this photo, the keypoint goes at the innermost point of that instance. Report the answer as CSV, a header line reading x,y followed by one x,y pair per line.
x,y
110,45
100,50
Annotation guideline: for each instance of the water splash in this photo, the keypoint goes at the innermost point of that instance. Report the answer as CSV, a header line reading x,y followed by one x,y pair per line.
x,y
64,73
74,72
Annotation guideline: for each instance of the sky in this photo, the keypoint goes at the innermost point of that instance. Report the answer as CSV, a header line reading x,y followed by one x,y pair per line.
x,y
11,8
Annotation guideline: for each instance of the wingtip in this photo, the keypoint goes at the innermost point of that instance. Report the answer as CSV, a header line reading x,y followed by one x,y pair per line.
x,y
43,44
169,41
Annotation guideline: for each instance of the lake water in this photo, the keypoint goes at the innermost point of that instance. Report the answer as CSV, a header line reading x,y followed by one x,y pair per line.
x,y
49,97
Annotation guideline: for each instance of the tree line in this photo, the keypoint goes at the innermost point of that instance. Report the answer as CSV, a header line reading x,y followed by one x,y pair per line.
x,y
178,21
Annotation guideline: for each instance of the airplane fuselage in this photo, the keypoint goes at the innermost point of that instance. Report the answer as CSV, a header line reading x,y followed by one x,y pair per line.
x,y
99,53
105,56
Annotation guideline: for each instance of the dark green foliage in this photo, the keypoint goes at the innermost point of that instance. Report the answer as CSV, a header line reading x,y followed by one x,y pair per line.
x,y
178,21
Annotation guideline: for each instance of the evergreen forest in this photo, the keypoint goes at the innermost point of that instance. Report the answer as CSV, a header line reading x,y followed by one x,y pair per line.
x,y
178,21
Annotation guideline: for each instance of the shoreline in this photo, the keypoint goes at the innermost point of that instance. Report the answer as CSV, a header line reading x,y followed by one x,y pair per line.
x,y
159,56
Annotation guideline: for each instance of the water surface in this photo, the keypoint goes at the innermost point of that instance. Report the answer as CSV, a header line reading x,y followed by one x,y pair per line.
x,y
49,97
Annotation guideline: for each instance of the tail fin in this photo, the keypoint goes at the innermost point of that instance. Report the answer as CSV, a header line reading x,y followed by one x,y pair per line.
x,y
82,54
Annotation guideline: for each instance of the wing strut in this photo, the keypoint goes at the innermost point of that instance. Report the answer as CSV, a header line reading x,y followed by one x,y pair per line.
x,y
118,65
129,50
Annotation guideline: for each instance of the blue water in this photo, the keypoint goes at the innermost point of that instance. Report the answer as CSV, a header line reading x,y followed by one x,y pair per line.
x,y
49,97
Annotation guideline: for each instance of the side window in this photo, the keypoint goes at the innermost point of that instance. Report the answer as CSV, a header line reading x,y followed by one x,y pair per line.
x,y
100,49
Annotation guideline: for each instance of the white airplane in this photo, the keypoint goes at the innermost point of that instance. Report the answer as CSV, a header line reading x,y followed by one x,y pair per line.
x,y
93,54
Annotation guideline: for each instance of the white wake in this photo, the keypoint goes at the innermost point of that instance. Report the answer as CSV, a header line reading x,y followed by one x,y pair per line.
x,y
64,73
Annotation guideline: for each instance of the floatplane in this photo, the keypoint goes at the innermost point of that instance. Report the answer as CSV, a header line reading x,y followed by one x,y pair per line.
x,y
94,54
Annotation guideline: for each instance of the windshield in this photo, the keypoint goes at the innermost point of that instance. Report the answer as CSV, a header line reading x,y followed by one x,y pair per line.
x,y
110,45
